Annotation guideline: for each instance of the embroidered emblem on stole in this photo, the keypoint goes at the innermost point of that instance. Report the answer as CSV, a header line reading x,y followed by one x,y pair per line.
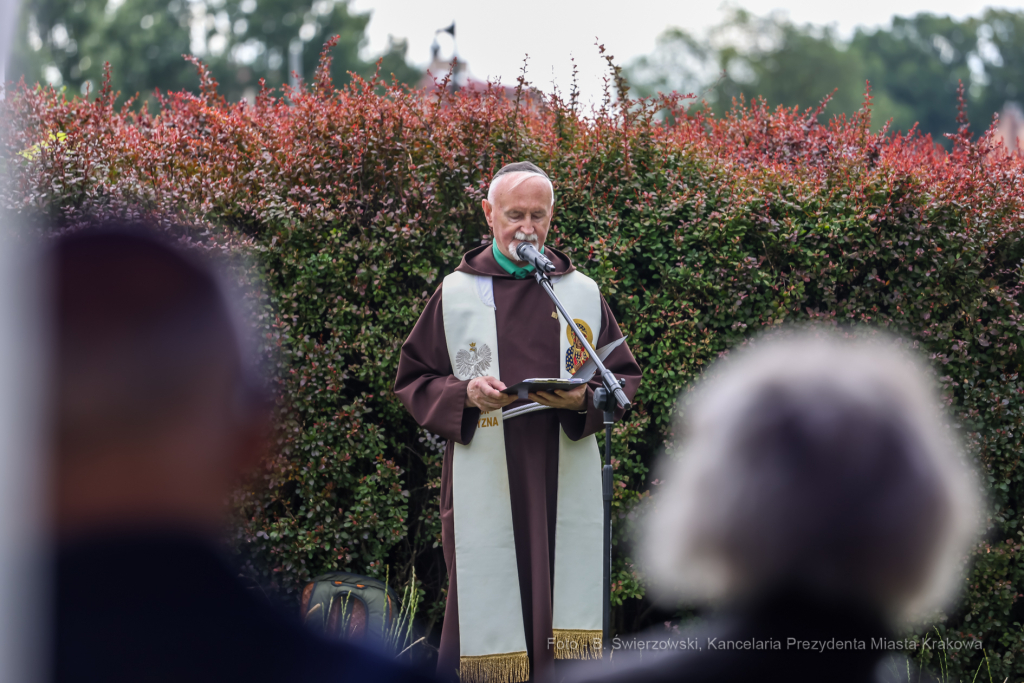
x,y
473,363
575,355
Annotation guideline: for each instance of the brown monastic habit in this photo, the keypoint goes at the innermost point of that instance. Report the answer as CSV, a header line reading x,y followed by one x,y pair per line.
x,y
528,346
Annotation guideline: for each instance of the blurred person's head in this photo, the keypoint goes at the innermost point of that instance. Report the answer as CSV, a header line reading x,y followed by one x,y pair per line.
x,y
817,462
155,408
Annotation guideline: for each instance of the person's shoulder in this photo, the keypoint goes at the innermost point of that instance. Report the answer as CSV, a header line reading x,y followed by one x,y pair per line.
x,y
311,658
653,656
580,282
480,261
634,667
563,264
581,276
343,661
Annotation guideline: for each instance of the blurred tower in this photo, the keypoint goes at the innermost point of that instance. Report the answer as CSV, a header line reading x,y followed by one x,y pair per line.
x,y
295,62
440,66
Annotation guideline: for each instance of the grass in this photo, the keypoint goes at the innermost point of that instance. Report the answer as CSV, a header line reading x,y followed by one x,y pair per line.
x,y
398,633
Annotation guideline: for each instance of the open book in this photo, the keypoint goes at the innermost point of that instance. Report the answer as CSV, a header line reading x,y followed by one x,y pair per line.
x,y
583,375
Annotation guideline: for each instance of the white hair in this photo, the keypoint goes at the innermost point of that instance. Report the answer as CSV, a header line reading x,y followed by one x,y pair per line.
x,y
821,461
518,177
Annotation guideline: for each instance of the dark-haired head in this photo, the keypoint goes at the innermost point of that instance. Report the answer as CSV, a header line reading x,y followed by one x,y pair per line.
x,y
155,407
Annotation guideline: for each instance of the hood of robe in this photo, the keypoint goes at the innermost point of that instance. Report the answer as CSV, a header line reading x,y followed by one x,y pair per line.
x,y
480,261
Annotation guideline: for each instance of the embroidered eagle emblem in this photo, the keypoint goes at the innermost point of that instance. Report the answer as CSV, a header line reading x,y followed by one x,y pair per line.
x,y
473,363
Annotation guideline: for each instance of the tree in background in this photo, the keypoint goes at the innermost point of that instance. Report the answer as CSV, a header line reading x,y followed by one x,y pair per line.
x,y
748,56
917,65
914,66
1000,48
66,42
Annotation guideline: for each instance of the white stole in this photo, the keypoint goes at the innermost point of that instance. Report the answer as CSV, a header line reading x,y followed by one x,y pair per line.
x,y
492,640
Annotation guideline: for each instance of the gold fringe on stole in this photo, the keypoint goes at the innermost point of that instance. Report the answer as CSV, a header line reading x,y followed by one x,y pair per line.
x,y
577,644
512,667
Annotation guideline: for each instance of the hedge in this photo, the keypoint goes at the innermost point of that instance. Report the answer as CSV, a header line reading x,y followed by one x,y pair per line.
x,y
340,211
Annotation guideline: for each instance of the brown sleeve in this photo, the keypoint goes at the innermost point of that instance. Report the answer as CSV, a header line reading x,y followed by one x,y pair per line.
x,y
623,366
426,385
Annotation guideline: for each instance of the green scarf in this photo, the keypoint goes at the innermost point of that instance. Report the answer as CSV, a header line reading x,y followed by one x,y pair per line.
x,y
508,265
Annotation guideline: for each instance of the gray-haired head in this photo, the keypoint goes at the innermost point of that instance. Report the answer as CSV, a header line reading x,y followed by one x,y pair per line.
x,y
516,173
819,461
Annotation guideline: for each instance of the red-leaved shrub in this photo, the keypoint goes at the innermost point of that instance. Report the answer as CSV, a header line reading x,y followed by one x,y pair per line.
x,y
343,209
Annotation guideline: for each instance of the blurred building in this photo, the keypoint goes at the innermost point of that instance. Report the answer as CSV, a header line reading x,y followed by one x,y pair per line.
x,y
444,62
1010,131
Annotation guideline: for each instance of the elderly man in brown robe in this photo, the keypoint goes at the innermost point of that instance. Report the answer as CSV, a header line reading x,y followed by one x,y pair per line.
x,y
447,390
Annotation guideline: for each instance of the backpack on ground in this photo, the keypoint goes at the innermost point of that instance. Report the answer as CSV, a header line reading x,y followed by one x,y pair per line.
x,y
350,606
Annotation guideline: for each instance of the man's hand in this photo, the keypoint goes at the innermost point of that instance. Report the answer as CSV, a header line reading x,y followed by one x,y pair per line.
x,y
574,399
485,393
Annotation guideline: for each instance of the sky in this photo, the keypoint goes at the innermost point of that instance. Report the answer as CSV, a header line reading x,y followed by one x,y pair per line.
x,y
493,37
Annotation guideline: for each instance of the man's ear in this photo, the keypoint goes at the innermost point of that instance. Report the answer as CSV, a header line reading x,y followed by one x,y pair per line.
x,y
488,209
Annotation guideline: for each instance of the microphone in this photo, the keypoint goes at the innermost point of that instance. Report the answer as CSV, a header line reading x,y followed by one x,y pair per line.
x,y
527,252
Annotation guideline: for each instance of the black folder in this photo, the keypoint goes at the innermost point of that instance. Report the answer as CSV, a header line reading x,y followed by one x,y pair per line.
x,y
585,373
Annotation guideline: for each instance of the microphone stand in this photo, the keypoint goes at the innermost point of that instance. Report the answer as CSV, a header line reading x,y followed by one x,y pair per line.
x,y
605,399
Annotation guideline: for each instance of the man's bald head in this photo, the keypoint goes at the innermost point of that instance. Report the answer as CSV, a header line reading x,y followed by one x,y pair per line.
x,y
149,380
519,206
511,175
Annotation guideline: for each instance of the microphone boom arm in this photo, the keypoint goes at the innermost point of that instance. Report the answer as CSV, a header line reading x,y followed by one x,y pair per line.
x,y
611,388
611,384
